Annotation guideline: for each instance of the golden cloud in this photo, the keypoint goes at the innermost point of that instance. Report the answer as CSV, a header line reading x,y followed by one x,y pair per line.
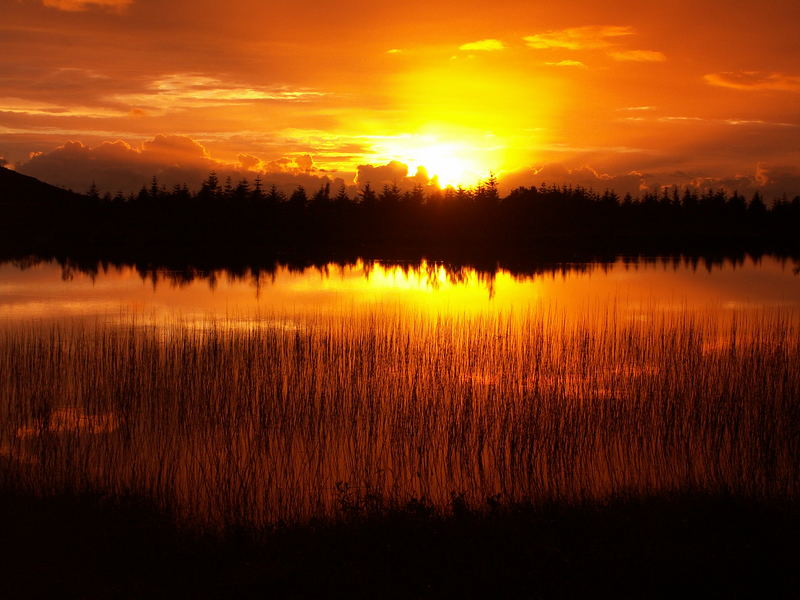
x,y
79,5
579,38
36,108
638,56
175,149
755,81
187,90
250,162
567,63
487,45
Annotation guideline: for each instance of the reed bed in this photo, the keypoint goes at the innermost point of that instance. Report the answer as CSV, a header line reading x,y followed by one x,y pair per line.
x,y
291,418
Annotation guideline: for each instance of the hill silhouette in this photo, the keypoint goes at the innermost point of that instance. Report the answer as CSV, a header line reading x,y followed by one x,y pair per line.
x,y
16,187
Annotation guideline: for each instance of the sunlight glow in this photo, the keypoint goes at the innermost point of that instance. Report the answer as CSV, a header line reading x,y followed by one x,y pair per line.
x,y
452,162
464,118
449,163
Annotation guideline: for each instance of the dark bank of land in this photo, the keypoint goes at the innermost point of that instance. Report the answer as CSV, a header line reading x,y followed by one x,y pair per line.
x,y
227,226
687,546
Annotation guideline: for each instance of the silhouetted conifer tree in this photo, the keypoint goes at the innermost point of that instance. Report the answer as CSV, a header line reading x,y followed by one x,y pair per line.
x,y
93,193
242,192
757,209
298,201
342,199
486,194
274,196
390,196
322,196
367,196
258,192
209,189
154,191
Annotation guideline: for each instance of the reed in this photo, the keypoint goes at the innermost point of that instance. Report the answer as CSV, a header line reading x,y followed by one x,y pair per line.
x,y
293,418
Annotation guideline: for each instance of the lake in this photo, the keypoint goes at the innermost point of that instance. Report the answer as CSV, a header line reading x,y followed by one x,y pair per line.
x,y
48,292
292,394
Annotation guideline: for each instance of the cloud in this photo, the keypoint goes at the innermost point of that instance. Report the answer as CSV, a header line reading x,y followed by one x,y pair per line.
x,y
585,176
280,165
755,81
487,45
567,63
579,38
772,182
119,166
305,163
394,173
36,108
608,38
705,120
638,56
250,162
777,180
388,174
295,164
173,159
175,149
79,5
189,90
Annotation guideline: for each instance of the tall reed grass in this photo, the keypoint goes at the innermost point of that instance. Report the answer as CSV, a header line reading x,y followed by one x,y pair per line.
x,y
291,418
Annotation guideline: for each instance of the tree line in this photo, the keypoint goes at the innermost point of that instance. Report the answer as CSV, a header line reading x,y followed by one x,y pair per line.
x,y
243,214
479,212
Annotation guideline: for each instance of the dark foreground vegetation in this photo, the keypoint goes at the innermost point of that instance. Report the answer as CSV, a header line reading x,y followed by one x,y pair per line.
x,y
486,460
685,546
290,417
233,221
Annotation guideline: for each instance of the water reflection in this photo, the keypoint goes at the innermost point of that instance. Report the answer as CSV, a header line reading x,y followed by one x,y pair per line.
x,y
46,290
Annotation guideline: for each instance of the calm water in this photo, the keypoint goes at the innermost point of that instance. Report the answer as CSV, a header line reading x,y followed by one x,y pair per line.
x,y
300,394
48,292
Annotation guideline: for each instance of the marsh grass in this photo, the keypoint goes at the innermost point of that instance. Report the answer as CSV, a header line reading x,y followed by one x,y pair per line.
x,y
229,426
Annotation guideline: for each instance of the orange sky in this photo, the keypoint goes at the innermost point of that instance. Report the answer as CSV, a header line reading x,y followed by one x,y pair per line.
x,y
624,94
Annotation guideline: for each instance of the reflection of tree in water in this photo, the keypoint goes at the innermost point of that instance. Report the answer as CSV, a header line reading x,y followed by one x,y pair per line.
x,y
430,274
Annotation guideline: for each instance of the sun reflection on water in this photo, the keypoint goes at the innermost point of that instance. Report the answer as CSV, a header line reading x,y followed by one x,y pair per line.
x,y
44,293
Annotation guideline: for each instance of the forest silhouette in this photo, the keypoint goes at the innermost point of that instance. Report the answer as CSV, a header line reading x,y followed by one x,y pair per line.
x,y
229,223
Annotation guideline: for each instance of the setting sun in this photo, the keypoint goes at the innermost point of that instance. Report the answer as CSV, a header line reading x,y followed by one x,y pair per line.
x,y
450,163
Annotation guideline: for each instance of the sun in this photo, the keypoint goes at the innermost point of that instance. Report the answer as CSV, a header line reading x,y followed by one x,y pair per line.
x,y
455,162
450,164
465,118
